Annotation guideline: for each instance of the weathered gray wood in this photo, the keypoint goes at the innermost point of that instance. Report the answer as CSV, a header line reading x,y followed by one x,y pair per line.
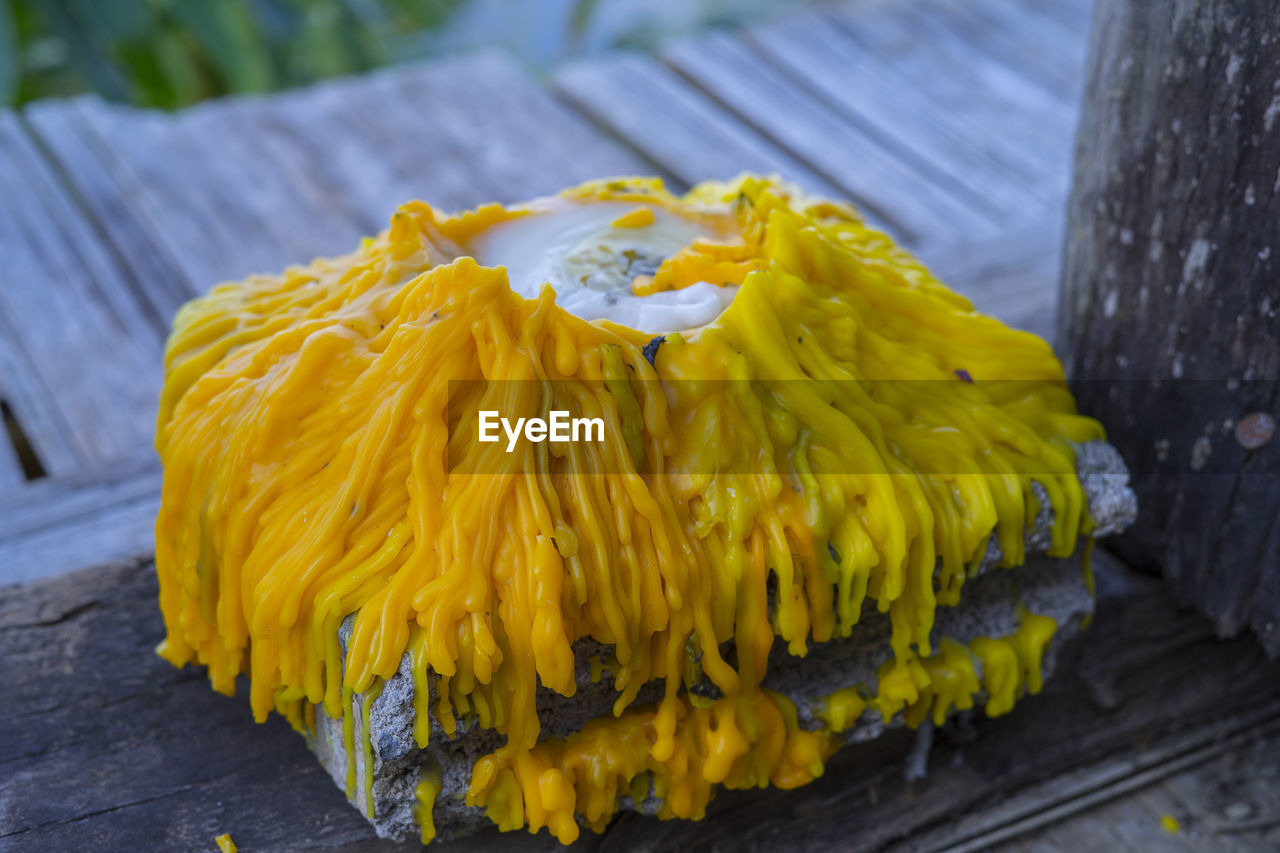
x,y
1234,799
916,192
1047,42
112,532
1072,14
1113,785
10,466
205,208
104,740
36,410
1124,826
66,310
113,749
1012,277
60,524
1172,252
107,747
682,131
967,87
521,141
1229,801
107,193
977,158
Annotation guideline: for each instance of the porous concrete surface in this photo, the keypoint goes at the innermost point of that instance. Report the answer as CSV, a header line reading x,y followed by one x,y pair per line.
x,y
989,607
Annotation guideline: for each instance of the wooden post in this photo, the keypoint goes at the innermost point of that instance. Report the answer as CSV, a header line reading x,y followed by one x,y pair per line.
x,y
1171,288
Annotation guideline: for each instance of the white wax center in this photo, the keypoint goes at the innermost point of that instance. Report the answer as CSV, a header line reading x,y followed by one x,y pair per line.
x,y
591,263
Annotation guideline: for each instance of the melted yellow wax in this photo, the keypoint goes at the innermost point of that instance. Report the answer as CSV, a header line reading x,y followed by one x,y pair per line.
x,y
312,471
428,788
636,218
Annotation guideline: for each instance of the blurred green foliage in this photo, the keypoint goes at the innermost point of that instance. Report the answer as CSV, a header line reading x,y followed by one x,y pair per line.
x,y
169,53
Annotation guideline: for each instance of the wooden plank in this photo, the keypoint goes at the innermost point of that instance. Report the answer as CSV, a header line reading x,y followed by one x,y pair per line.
x,y
10,466
1233,801
1228,802
1013,277
966,86
1075,799
57,525
47,501
67,311
111,532
112,748
929,200
1123,825
196,764
687,135
457,133
108,194
518,141
1141,817
36,411
1046,42
858,84
1073,15
205,212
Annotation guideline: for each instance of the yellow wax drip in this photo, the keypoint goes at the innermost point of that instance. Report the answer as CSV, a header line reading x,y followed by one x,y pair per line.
x,y
428,788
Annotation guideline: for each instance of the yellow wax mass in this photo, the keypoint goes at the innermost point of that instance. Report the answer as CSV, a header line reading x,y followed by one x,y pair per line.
x,y
843,708
952,684
1012,665
739,742
1170,824
224,842
768,472
637,218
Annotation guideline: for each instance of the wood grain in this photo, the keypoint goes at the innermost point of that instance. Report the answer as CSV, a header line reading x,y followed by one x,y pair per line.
x,y
920,198
998,179
683,132
1170,292
34,406
98,515
997,107
10,466
79,338
111,748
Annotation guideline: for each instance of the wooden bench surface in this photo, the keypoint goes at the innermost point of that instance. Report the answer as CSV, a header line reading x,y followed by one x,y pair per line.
x,y
951,123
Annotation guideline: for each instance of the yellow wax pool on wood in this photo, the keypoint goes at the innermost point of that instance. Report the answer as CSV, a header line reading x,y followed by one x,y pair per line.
x,y
820,439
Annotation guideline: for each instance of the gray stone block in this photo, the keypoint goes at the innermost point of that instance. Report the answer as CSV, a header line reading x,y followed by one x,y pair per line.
x,y
989,607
